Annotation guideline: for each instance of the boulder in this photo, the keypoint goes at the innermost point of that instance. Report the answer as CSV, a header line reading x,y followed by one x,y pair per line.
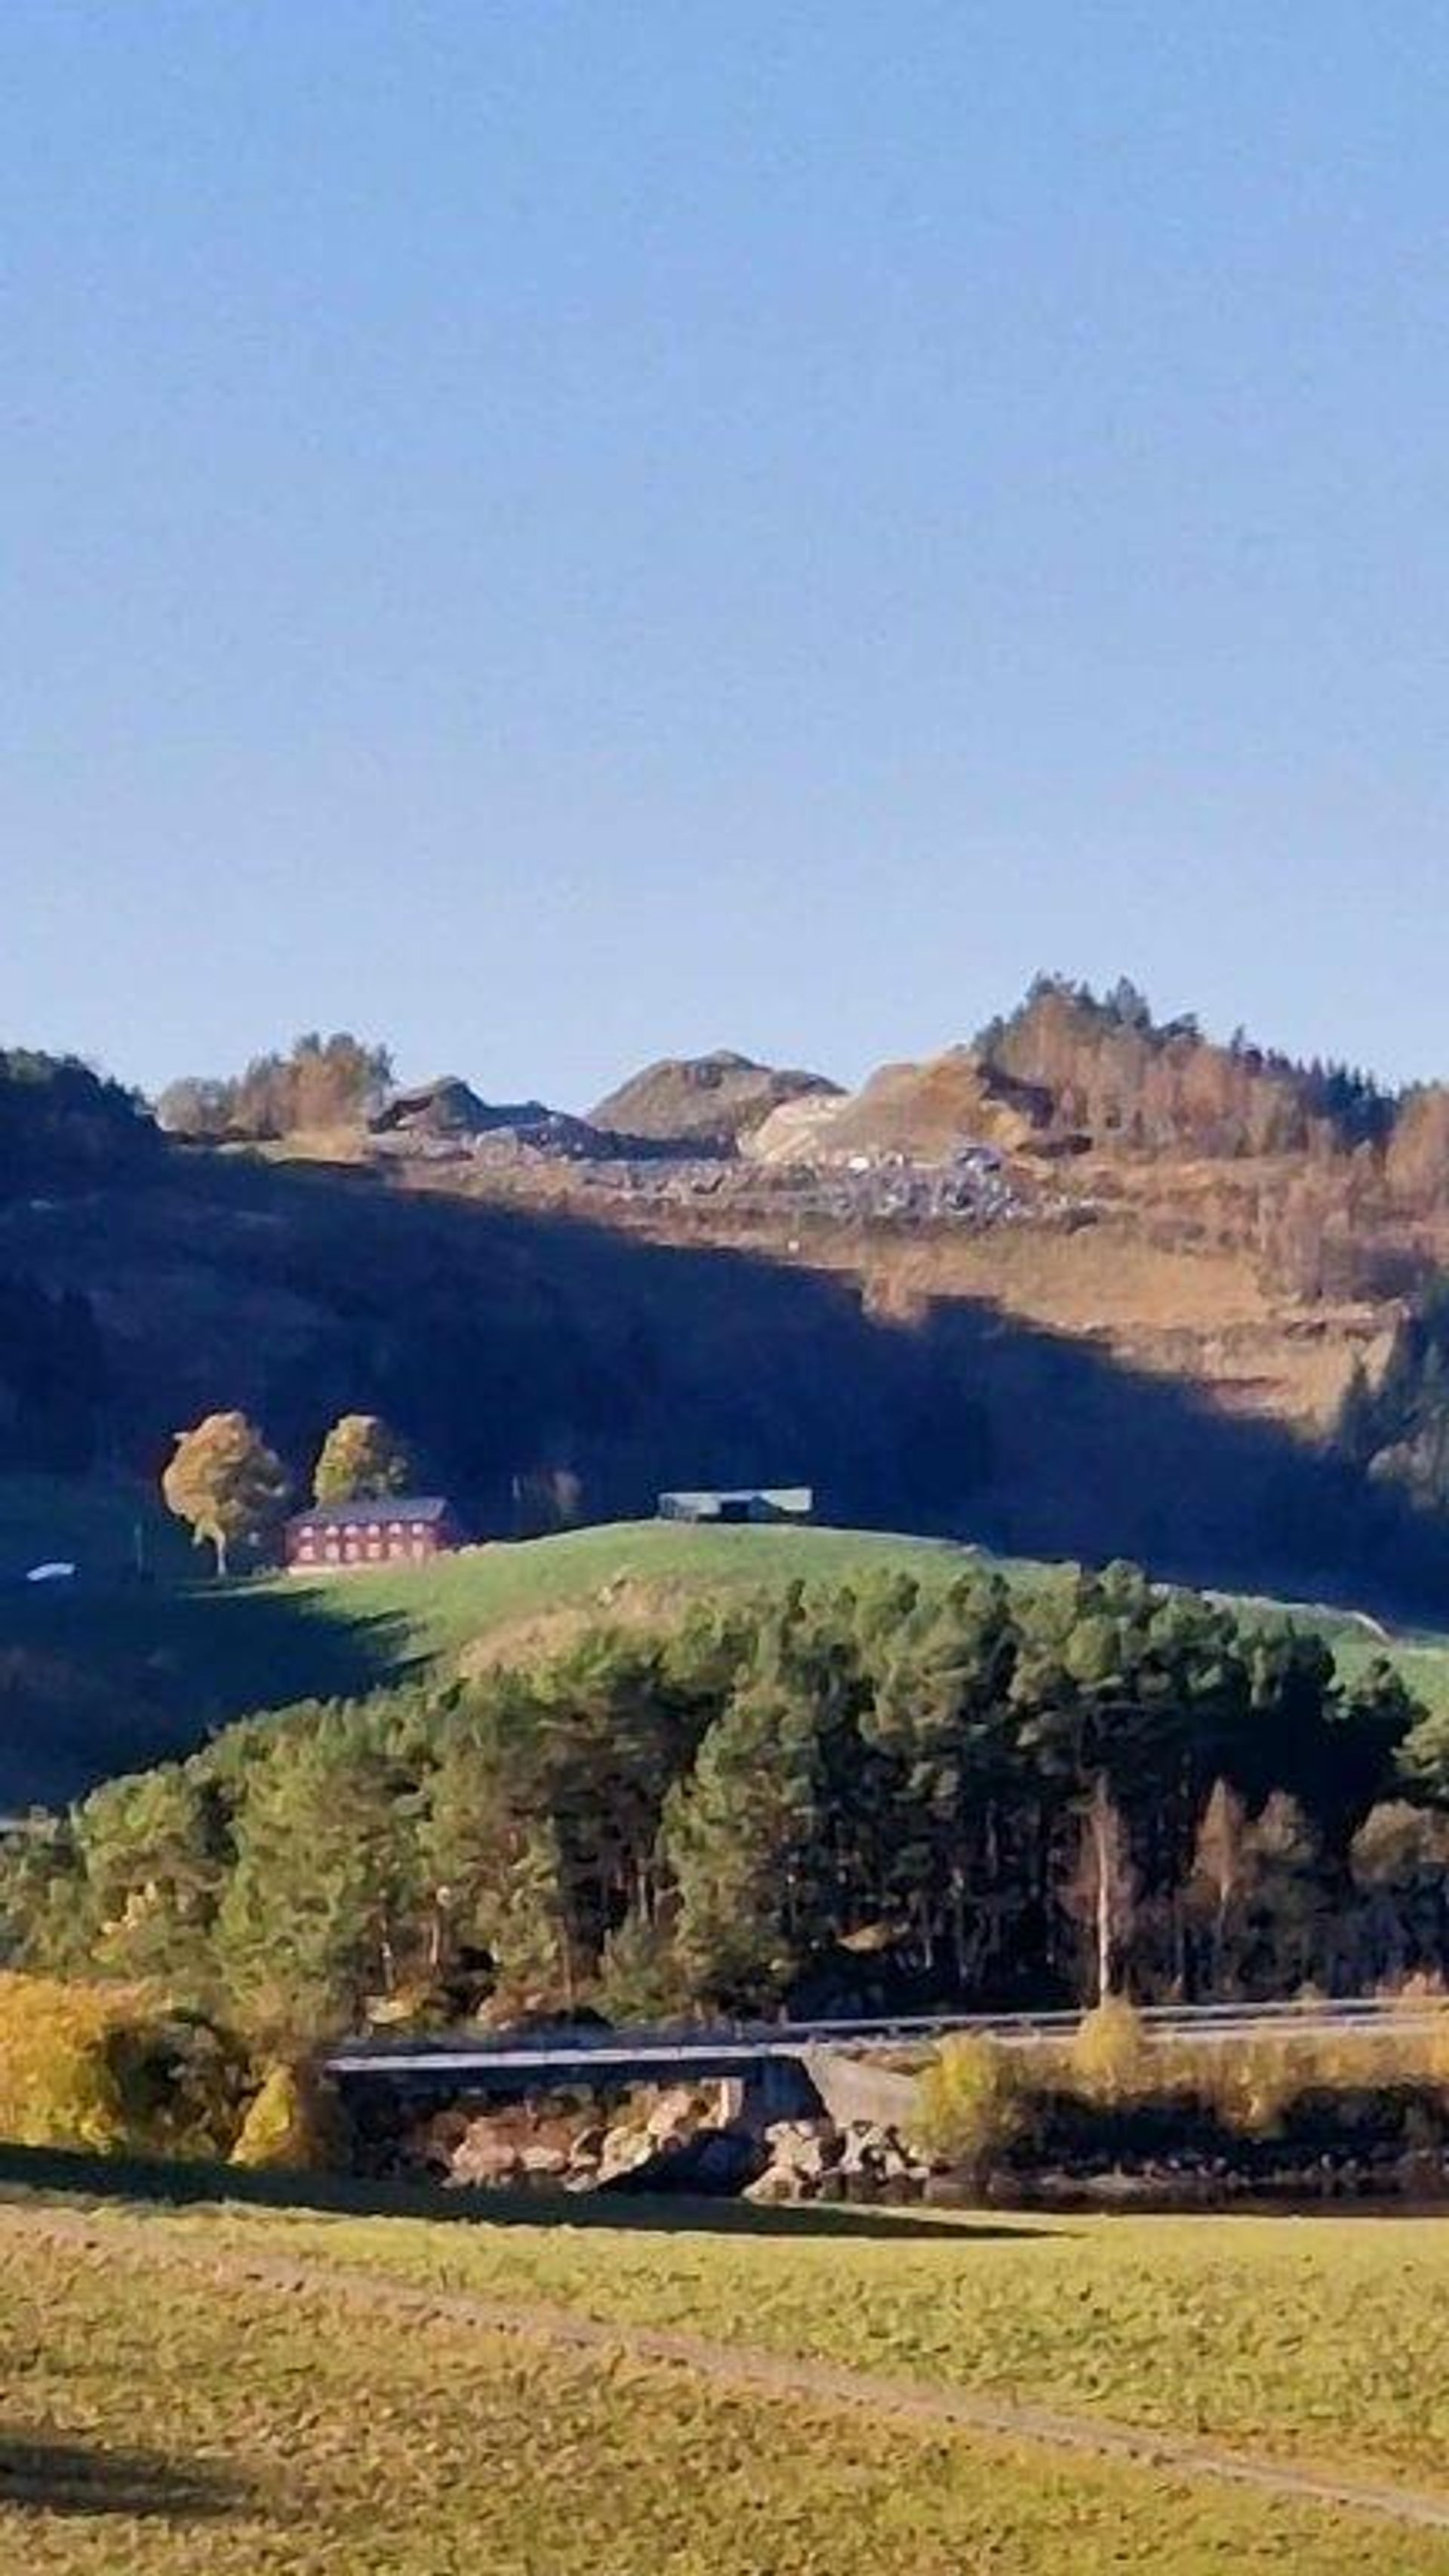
x,y
543,2160
483,2158
860,2186
861,2149
775,2185
712,2161
804,2149
676,2114
950,2191
446,2130
715,2160
623,2151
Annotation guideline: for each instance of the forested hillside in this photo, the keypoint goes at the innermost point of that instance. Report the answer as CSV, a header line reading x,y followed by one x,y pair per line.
x,y
969,1792
1105,1068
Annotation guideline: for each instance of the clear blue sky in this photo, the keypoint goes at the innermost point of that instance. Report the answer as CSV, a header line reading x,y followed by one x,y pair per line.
x,y
558,533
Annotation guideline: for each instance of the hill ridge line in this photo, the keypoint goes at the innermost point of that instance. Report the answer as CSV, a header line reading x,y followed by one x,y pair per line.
x,y
745,2367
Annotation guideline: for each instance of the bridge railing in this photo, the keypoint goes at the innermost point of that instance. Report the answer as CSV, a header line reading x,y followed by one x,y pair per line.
x,y
682,2046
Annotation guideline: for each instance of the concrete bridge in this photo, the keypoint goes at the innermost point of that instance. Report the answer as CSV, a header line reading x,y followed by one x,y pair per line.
x,y
785,2073
783,2070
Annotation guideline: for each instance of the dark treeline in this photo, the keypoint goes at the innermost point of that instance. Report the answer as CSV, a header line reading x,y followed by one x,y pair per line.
x,y
60,1124
974,1793
54,1379
1397,1429
64,1130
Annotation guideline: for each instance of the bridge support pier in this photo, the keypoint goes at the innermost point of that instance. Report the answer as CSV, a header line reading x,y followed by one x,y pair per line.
x,y
778,2088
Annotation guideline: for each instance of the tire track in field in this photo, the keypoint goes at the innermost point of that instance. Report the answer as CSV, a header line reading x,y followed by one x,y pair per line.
x,y
146,2242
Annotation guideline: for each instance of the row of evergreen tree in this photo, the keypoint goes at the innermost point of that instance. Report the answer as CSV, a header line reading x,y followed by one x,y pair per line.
x,y
975,1793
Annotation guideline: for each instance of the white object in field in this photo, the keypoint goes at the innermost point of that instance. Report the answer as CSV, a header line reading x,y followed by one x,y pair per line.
x,y
51,1573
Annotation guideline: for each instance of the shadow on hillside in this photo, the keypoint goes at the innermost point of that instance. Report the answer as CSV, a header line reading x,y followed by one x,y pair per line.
x,y
508,1339
95,1682
512,1344
54,2170
41,2475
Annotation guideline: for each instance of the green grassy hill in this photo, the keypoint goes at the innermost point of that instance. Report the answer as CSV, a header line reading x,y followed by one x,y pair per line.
x,y
458,1599
108,1675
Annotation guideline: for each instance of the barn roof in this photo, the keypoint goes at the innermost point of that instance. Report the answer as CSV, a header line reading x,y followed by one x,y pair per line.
x,y
372,1512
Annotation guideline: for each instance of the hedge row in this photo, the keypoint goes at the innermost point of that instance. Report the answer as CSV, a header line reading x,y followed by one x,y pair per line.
x,y
984,2105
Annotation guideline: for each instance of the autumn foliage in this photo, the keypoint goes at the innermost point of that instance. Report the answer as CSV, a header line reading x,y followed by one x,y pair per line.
x,y
293,2123
227,1484
84,2064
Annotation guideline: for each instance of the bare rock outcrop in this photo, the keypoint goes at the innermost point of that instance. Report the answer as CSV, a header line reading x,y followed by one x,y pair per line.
x,y
711,1102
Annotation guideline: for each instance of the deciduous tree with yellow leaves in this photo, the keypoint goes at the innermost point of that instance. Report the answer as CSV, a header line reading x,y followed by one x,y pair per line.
x,y
225,1481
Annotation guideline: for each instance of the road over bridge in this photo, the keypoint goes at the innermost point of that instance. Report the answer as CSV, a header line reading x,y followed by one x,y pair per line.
x,y
784,2067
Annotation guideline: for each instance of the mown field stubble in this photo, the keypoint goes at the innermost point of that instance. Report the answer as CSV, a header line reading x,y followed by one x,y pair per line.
x,y
190,2391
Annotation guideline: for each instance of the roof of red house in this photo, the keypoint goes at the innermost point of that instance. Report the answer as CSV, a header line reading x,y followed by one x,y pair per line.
x,y
373,1512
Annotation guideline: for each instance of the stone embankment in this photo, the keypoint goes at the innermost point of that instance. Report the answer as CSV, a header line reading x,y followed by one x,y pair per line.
x,y
675,2140
687,2140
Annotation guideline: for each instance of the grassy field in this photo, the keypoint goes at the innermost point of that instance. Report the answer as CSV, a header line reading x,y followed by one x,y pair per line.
x,y
459,1598
158,2421
1321,2338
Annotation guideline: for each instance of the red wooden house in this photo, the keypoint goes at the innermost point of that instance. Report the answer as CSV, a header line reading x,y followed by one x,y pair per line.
x,y
394,1529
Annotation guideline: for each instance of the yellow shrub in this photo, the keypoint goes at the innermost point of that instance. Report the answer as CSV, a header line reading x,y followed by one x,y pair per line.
x,y
1423,1991
292,2125
1256,2083
110,2068
972,2103
1111,2056
1434,2054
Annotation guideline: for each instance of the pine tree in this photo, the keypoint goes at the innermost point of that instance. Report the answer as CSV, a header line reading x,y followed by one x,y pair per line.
x,y
741,1836
324,1891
